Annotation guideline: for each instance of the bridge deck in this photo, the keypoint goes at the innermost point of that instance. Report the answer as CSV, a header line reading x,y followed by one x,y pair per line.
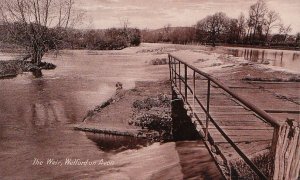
x,y
244,127
234,119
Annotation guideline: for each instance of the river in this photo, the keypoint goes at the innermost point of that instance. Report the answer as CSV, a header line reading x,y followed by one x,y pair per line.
x,y
37,115
287,59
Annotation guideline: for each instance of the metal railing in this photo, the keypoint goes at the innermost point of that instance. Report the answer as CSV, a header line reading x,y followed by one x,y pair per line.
x,y
179,79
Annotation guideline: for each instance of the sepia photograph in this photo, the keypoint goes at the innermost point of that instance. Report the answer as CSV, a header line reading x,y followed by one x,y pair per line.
x,y
150,89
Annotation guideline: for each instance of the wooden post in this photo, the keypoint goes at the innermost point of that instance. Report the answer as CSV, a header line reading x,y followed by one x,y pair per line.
x,y
286,151
175,72
194,92
170,68
185,83
179,75
207,109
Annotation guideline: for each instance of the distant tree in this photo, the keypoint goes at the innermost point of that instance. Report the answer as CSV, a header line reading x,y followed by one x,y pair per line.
x,y
233,31
91,39
38,24
183,35
124,22
241,27
257,13
297,41
277,38
166,33
115,39
214,25
284,30
272,20
134,37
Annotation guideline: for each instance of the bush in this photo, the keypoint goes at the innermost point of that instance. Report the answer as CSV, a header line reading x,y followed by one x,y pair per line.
x,y
158,61
109,39
154,114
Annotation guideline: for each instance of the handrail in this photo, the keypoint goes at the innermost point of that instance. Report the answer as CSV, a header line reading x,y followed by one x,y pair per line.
x,y
248,104
262,114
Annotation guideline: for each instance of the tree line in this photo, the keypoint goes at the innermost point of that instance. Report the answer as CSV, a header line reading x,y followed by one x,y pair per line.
x,y
261,27
99,39
71,38
42,25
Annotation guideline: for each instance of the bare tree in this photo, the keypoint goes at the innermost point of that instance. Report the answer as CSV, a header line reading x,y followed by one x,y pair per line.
x,y
232,34
166,32
214,25
241,26
35,24
124,22
257,13
272,20
285,30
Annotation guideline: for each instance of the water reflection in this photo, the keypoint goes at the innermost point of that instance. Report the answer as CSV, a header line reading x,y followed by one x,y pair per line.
x,y
286,59
110,143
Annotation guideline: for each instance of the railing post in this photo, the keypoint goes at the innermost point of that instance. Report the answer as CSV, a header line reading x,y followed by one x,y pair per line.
x,y
175,72
194,92
186,82
286,151
179,68
171,69
172,72
207,109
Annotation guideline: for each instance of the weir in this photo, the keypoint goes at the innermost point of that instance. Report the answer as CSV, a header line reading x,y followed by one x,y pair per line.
x,y
244,140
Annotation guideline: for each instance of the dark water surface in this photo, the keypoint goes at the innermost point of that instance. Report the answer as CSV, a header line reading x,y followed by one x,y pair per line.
x,y
37,114
287,59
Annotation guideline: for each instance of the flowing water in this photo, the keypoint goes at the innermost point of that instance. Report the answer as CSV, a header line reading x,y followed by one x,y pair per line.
x,y
287,59
37,114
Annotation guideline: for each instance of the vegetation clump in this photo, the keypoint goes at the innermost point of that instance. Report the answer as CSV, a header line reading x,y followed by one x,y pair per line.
x,y
154,114
15,67
109,39
159,61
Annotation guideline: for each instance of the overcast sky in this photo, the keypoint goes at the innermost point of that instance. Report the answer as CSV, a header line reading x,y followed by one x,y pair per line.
x,y
158,13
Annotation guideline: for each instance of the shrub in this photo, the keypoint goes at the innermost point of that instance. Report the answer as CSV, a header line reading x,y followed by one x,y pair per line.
x,y
158,61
